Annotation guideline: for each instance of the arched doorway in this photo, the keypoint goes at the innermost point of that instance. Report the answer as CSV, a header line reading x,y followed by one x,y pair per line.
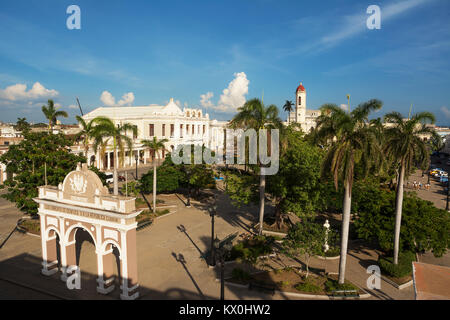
x,y
86,258
52,248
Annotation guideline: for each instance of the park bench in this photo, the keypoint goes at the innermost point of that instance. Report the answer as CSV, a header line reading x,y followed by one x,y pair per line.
x,y
262,287
345,293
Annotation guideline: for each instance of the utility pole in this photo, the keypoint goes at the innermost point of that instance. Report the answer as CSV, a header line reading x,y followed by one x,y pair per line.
x,y
79,106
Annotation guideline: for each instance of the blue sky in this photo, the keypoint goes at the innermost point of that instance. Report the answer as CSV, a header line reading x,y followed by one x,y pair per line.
x,y
215,54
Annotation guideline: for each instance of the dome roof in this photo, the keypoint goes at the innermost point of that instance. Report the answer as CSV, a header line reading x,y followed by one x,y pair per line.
x,y
300,88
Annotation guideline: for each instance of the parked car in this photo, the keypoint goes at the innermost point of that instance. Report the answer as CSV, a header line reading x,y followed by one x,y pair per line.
x,y
109,177
434,171
444,180
121,178
440,173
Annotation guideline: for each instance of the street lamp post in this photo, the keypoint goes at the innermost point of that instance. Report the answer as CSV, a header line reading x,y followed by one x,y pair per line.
x,y
136,157
212,213
222,252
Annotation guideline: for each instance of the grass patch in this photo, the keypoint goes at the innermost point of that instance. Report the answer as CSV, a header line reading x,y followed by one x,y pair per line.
x,y
334,285
141,203
292,280
31,226
308,285
240,275
250,249
402,269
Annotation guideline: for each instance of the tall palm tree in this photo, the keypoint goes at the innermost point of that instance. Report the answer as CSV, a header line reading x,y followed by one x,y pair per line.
x,y
51,113
350,140
403,142
105,128
288,107
155,146
254,115
86,134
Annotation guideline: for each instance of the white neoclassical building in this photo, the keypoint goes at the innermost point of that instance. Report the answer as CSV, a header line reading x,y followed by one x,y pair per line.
x,y
306,118
187,126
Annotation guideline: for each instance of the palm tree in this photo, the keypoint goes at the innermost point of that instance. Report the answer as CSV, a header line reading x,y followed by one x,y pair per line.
x,y
87,132
350,140
155,146
254,115
288,107
51,114
105,128
404,144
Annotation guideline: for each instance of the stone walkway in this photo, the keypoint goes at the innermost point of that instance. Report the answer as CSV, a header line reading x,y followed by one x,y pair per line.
x,y
170,262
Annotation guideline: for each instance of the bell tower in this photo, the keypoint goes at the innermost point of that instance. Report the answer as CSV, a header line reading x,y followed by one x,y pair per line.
x,y
300,104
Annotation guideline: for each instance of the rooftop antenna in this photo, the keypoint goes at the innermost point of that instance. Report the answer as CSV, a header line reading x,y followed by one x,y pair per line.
x,y
79,106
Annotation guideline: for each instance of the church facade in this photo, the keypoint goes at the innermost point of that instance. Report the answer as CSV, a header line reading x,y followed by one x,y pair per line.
x,y
301,115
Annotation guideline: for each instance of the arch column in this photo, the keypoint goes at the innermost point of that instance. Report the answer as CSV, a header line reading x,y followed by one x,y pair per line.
x,y
49,253
105,265
68,253
129,265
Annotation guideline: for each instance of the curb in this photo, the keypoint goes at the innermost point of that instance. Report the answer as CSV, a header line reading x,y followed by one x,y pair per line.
x,y
327,258
23,230
398,286
301,295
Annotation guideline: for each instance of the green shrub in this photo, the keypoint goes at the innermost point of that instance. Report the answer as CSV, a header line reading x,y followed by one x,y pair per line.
x,y
333,285
308,286
250,249
402,269
424,227
133,188
240,274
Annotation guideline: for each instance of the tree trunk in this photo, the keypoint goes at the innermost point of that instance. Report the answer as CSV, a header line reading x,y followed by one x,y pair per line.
x,y
116,183
398,213
154,186
344,231
262,189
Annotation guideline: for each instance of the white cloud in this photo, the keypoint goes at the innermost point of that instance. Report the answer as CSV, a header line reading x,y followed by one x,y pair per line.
x,y
205,100
446,112
232,97
72,106
127,99
18,92
350,26
344,107
108,99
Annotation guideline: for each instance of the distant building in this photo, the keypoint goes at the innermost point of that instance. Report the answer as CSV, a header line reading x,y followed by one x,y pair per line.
x,y
187,126
301,115
8,137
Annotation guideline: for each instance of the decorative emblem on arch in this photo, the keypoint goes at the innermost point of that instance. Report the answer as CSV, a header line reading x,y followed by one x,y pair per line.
x,y
78,184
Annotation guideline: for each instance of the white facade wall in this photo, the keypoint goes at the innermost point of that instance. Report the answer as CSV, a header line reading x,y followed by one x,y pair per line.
x,y
206,132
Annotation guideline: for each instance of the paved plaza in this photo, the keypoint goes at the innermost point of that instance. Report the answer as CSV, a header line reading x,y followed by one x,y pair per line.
x,y
171,263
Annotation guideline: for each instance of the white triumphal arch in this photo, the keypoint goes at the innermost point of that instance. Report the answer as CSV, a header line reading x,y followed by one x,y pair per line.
x,y
82,202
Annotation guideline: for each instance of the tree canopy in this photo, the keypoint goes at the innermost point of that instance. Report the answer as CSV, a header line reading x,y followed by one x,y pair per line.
x,y
26,162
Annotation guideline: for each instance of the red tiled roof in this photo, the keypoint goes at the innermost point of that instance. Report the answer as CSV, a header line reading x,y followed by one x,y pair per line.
x,y
300,87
